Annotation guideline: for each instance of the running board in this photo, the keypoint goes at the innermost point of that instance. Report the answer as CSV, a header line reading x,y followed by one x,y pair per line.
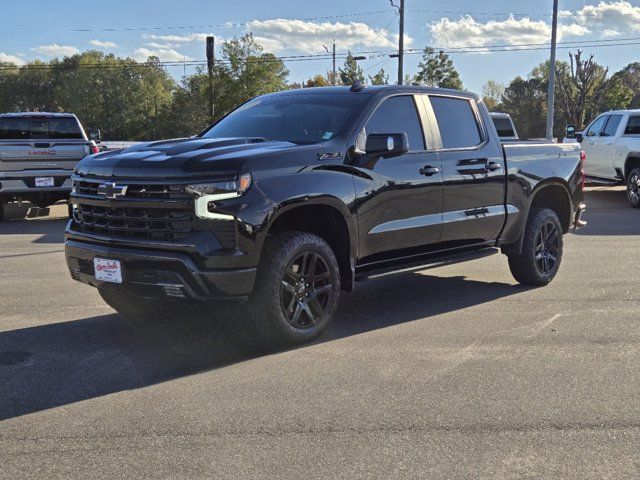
x,y
423,264
603,181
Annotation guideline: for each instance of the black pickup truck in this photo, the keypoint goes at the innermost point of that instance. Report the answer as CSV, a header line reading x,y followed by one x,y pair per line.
x,y
297,195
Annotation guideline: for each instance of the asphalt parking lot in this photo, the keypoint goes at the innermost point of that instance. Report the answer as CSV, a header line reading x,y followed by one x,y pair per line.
x,y
449,373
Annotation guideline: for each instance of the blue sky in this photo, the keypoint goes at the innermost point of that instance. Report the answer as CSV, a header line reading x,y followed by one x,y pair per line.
x,y
175,30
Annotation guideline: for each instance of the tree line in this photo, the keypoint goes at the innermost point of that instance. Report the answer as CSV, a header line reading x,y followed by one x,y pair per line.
x,y
130,100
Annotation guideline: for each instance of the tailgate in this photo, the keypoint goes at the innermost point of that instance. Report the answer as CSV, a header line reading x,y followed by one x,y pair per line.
x,y
29,155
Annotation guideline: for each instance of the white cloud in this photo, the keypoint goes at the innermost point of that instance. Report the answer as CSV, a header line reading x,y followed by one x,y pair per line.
x,y
619,17
173,39
467,31
55,50
163,46
166,55
103,44
299,35
8,58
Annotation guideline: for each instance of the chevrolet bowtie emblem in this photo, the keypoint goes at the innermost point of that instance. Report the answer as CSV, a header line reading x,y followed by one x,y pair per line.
x,y
111,190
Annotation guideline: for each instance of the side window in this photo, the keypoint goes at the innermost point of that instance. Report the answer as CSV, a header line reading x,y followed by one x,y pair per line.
x,y
612,126
597,127
633,126
457,122
398,115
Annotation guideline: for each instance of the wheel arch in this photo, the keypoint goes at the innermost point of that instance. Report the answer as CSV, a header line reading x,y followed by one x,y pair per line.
x,y
328,218
632,161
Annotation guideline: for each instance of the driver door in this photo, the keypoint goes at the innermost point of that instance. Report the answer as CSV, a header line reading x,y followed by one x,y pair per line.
x,y
399,199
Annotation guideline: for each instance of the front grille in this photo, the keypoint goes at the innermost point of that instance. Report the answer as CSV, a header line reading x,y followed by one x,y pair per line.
x,y
150,191
141,223
171,219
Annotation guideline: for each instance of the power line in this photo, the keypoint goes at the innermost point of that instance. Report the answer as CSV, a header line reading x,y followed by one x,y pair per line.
x,y
194,27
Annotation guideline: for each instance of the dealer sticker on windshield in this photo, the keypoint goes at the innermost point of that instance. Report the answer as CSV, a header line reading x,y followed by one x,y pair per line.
x,y
107,270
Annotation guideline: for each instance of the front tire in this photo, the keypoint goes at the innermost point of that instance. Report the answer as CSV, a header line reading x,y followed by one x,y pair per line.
x,y
539,261
633,188
297,289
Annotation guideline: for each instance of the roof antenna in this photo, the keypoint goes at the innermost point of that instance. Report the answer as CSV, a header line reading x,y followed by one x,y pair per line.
x,y
357,86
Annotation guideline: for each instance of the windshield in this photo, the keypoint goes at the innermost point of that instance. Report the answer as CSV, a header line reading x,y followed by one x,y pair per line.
x,y
312,118
39,128
504,127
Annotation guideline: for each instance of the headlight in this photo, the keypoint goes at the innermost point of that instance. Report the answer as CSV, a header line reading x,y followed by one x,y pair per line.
x,y
206,194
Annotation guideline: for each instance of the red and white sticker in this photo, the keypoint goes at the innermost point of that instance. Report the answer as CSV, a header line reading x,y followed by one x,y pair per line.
x,y
107,270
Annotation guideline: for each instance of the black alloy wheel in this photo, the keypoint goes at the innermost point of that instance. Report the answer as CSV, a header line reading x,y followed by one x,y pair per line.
x,y
633,188
305,290
547,248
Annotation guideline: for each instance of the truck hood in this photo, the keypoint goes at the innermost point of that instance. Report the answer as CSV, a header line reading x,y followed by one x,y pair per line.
x,y
180,158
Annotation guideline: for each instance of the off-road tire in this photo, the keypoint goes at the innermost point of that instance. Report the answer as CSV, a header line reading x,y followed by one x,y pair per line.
x,y
267,309
526,266
633,188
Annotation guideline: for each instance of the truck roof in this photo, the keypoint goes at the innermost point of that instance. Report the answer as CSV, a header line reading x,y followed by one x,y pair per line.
x,y
377,89
36,114
621,112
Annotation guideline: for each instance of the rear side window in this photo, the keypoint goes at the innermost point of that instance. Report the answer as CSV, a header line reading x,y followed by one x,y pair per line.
x,y
633,126
457,122
612,126
597,127
398,115
39,128
504,127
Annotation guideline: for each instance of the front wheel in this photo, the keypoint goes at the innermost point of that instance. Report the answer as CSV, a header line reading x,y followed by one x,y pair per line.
x,y
297,289
633,188
539,261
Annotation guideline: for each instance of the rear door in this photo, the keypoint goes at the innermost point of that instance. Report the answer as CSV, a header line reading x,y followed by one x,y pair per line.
x,y
41,142
400,198
473,172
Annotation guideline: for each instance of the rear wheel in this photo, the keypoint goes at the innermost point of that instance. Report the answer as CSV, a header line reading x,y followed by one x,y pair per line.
x,y
633,188
297,289
539,261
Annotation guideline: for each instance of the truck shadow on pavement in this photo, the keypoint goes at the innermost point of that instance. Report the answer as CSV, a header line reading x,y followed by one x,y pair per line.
x,y
63,363
608,213
47,230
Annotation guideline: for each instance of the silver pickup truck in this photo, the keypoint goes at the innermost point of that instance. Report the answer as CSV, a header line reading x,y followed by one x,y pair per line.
x,y
38,152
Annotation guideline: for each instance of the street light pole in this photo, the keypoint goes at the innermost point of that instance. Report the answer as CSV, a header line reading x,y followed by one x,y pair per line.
x,y
552,72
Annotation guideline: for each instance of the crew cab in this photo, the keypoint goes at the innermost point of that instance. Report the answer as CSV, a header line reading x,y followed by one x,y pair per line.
x,y
38,152
612,145
298,195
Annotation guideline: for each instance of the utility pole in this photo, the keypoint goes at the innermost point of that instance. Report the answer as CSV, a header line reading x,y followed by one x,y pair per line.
x,y
401,45
333,79
552,72
210,65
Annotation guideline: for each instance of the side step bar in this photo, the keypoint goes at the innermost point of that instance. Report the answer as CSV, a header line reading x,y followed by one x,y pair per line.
x,y
603,181
423,263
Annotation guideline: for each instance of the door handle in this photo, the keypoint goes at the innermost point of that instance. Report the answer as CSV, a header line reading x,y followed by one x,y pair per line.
x,y
493,166
428,170
609,144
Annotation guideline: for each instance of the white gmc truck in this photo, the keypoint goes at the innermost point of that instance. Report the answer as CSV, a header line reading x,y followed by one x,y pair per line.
x,y
38,152
612,145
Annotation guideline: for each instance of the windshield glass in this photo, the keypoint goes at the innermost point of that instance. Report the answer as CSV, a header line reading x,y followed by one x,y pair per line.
x,y
39,128
312,118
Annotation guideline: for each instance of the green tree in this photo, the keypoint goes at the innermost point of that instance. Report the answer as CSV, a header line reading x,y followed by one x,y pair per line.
x,y
351,71
525,101
380,78
492,92
317,80
629,77
437,70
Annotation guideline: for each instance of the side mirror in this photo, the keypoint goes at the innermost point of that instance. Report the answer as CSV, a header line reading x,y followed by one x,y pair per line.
x,y
94,134
387,145
579,137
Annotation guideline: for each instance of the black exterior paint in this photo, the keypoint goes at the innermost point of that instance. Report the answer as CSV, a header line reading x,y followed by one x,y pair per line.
x,y
430,201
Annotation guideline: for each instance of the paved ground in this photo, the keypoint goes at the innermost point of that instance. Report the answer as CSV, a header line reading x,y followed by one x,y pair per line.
x,y
450,373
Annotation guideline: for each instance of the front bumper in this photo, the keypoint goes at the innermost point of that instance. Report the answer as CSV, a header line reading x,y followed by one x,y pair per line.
x,y
154,274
